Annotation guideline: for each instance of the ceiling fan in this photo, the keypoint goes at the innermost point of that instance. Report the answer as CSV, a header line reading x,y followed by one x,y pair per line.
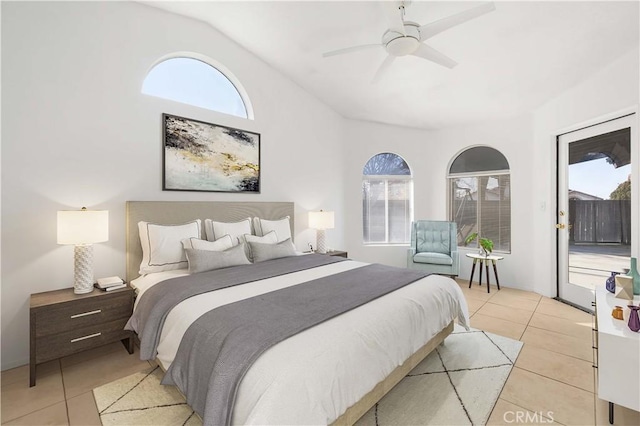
x,y
406,37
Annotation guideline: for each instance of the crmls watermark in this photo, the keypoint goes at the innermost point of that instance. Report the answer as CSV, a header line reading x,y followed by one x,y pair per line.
x,y
525,417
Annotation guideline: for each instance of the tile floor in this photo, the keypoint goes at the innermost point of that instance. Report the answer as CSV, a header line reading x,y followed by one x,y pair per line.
x,y
552,380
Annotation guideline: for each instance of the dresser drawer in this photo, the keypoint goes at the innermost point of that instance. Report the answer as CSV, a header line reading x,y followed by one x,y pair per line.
x,y
83,313
79,339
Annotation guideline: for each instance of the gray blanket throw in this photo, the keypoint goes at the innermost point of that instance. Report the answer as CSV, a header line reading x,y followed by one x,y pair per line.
x,y
156,303
220,347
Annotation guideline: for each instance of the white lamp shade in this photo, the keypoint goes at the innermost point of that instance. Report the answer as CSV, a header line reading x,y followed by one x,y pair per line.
x,y
321,220
83,226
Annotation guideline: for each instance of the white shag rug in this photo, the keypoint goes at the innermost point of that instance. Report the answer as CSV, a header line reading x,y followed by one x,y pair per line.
x,y
457,384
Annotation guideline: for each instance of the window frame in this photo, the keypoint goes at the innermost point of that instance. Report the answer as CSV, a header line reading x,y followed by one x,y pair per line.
x,y
386,178
226,72
479,174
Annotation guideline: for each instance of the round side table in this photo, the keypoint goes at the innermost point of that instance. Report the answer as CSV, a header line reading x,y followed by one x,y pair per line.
x,y
484,260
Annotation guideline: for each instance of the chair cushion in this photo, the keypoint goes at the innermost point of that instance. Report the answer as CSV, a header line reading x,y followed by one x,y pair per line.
x,y
433,237
433,258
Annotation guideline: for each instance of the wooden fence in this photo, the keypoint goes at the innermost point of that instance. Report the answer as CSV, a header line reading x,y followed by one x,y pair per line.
x,y
600,221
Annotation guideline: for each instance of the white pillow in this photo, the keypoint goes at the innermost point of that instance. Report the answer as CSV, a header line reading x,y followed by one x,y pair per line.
x,y
270,238
162,245
215,230
220,244
281,226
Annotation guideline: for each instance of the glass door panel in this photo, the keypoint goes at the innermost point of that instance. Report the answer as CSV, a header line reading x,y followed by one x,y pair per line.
x,y
594,207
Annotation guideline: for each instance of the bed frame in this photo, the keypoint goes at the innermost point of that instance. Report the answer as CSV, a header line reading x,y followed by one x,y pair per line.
x,y
176,212
367,402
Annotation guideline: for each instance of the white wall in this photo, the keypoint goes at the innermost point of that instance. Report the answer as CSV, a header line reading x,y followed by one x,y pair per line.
x,y
612,89
78,132
429,154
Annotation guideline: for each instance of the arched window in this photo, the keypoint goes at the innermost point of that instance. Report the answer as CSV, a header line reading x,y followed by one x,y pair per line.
x,y
387,200
195,82
480,196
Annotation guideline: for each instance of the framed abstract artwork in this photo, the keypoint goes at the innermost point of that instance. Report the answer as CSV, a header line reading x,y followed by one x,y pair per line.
x,y
201,156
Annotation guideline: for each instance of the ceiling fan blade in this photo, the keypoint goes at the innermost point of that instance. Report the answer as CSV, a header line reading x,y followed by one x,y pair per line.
x,y
383,68
349,49
429,30
431,54
394,12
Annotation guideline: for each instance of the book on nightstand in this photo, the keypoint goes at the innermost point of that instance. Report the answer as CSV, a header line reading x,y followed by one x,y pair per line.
x,y
115,287
110,288
110,283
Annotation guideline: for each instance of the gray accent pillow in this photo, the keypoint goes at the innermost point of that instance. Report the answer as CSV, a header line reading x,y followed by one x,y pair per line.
x,y
262,252
207,260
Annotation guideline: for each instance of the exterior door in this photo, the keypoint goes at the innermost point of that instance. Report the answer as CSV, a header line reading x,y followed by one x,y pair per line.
x,y
594,218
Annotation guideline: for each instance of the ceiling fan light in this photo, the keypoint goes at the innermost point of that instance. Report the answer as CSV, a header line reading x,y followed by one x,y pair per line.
x,y
402,46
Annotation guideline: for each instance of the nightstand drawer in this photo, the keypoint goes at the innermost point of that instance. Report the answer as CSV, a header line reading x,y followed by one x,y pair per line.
x,y
79,339
74,315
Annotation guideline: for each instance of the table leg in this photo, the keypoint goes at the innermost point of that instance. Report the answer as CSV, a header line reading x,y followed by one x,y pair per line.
x,y
495,272
486,265
128,344
473,270
481,265
32,374
611,413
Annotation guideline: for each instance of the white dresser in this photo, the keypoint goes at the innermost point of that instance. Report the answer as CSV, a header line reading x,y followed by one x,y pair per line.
x,y
617,355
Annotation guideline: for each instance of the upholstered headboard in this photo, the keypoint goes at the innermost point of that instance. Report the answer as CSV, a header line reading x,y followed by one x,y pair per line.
x,y
177,212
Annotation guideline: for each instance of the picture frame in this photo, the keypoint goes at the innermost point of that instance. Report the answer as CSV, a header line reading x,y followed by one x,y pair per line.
x,y
207,157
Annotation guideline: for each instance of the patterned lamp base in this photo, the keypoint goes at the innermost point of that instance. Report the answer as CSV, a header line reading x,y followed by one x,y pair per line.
x,y
83,273
321,241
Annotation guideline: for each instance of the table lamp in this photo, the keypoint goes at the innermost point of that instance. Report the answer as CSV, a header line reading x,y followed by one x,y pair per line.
x,y
320,221
82,228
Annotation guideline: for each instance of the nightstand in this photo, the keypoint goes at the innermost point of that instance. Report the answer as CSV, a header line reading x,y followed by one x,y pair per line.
x,y
63,323
338,253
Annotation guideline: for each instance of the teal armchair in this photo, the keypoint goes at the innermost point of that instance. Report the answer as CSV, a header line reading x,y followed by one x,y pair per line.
x,y
434,247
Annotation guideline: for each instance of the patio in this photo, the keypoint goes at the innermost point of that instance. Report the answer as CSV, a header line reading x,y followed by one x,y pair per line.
x,y
591,264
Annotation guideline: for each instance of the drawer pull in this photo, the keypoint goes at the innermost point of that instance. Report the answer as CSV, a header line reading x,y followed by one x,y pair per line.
x,y
91,336
97,311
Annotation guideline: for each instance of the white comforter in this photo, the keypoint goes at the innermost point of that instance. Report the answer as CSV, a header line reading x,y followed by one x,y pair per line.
x,y
313,377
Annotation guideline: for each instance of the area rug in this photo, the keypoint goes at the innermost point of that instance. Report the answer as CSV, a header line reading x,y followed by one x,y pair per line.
x,y
457,384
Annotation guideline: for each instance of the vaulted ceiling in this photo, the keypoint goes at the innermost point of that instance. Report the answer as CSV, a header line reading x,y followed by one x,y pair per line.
x,y
510,61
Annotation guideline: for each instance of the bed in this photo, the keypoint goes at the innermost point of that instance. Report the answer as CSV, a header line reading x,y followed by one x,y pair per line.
x,y
331,373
